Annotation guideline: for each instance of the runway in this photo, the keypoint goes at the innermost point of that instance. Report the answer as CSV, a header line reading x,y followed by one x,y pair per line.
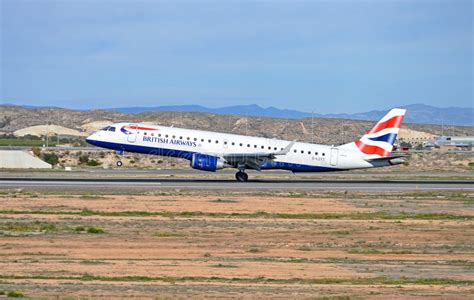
x,y
204,184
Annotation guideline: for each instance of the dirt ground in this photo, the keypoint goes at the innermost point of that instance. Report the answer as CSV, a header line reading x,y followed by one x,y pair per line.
x,y
238,245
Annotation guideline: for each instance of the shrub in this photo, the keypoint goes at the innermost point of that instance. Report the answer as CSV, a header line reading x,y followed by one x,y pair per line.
x,y
305,248
83,159
254,249
51,158
93,163
15,294
36,151
79,229
31,137
95,230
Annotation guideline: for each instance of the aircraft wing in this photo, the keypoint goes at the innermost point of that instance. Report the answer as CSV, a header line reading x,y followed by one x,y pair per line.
x,y
254,160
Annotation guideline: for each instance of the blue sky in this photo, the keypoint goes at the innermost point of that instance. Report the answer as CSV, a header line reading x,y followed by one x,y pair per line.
x,y
326,56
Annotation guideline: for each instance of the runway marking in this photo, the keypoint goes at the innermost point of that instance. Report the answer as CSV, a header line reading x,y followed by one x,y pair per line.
x,y
360,185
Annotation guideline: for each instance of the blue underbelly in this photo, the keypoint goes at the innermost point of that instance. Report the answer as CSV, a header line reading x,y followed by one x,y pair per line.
x,y
269,165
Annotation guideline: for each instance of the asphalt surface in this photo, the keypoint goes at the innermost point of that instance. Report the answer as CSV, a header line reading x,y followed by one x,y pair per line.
x,y
226,174
203,184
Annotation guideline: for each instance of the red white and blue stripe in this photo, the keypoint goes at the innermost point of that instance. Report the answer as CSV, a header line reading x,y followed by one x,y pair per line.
x,y
379,140
126,129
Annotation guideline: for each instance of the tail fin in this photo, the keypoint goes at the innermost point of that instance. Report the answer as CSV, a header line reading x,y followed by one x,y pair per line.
x,y
378,142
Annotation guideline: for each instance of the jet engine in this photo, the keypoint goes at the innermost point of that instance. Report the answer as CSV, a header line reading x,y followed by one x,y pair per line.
x,y
206,162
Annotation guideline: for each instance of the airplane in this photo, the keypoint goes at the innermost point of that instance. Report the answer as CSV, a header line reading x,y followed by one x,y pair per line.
x,y
212,151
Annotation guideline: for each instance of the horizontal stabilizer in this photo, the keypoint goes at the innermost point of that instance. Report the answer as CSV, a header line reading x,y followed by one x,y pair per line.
x,y
389,160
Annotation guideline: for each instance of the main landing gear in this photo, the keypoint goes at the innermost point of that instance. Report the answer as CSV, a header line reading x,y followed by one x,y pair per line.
x,y
241,176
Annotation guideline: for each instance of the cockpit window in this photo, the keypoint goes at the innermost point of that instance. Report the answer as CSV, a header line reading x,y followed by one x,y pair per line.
x,y
105,128
111,128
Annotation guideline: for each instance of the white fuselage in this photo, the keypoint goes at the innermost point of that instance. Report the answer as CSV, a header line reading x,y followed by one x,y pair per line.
x,y
178,142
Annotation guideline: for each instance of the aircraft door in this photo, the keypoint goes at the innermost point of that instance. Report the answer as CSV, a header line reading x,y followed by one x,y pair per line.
x,y
334,156
132,135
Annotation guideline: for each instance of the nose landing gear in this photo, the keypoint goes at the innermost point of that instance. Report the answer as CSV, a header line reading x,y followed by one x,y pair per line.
x,y
119,154
241,176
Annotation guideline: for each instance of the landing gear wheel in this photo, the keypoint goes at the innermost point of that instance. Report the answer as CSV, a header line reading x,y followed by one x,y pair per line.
x,y
241,176
119,163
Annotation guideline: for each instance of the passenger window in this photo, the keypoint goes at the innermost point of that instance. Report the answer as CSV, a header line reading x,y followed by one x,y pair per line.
x,y
188,138
269,148
195,139
180,137
217,142
233,143
225,142
174,136
324,154
209,141
152,134
275,148
309,152
240,144
248,145
263,147
315,153
294,150
302,151
255,146
202,140
144,133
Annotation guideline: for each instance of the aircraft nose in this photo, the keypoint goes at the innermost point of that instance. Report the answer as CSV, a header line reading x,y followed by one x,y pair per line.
x,y
91,139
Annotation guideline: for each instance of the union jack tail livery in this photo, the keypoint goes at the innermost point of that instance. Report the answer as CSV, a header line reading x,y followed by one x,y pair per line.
x,y
378,142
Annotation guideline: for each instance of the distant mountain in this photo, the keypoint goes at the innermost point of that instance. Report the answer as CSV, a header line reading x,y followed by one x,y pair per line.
x,y
239,110
416,113
420,114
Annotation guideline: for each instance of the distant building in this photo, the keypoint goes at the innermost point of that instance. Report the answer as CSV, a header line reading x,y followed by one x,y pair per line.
x,y
414,138
452,142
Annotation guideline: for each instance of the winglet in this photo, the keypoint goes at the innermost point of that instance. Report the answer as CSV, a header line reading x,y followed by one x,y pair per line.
x,y
286,149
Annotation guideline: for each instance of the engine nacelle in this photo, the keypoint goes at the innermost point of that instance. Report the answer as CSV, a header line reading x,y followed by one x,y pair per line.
x,y
206,162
